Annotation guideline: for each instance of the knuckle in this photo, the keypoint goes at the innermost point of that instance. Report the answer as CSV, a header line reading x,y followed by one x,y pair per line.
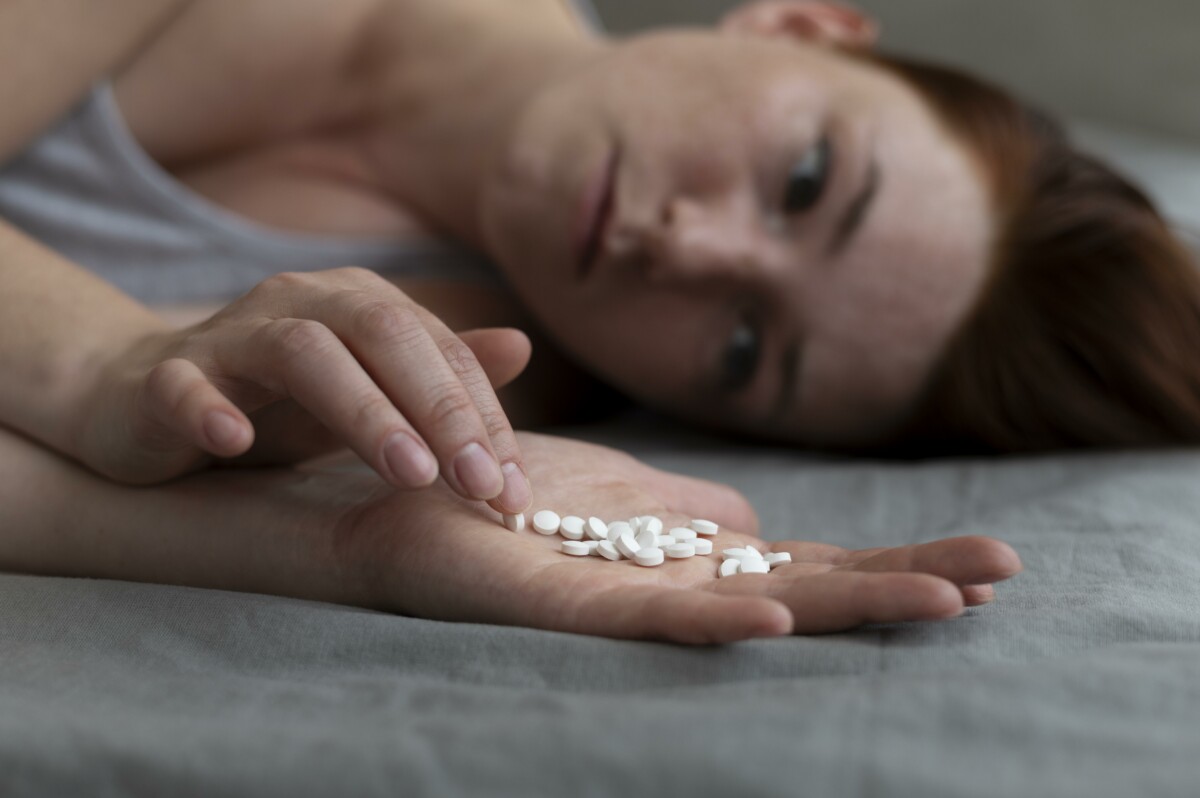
x,y
460,357
283,282
497,427
448,406
372,412
298,338
356,275
380,319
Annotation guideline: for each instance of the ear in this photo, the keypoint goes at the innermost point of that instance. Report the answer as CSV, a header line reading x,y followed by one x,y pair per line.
x,y
812,21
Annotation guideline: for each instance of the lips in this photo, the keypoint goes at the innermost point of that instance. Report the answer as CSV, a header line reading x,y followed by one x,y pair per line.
x,y
595,212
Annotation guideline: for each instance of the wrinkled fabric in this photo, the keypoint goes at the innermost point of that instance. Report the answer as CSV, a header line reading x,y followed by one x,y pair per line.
x,y
1082,679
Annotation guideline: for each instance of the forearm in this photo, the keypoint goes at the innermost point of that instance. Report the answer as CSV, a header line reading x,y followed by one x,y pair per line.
x,y
279,531
57,324
54,49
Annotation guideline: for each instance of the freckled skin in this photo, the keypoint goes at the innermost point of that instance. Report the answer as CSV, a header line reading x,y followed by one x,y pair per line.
x,y
708,125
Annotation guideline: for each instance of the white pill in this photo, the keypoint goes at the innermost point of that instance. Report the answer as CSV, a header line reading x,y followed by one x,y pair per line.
x,y
596,529
682,533
736,554
576,548
514,522
652,523
649,557
571,527
681,551
593,546
546,522
778,558
618,528
635,524
758,566
627,545
703,546
647,539
607,550
753,553
730,567
704,527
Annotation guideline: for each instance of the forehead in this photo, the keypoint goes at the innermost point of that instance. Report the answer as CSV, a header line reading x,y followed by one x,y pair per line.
x,y
877,317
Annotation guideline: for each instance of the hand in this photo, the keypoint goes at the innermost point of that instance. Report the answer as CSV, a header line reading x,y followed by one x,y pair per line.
x,y
307,363
451,561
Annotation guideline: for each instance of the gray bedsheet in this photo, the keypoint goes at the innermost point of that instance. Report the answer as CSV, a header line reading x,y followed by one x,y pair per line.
x,y
1083,679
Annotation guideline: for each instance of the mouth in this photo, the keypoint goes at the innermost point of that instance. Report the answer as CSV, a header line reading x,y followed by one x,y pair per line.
x,y
595,212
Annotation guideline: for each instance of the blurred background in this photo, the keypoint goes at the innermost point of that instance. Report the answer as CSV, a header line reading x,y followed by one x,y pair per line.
x,y
1125,74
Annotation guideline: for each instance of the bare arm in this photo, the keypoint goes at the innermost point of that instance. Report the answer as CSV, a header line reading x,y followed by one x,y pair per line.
x,y
54,317
54,49
342,536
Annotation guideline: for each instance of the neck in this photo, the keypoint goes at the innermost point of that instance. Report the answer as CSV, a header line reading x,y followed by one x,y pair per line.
x,y
454,75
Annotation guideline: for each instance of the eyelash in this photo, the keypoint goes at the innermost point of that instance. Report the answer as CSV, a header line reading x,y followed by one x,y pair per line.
x,y
798,196
737,369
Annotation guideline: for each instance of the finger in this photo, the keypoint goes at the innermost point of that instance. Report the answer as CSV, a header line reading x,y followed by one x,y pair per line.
x,y
975,595
968,560
839,600
681,616
701,498
177,396
438,384
503,353
306,361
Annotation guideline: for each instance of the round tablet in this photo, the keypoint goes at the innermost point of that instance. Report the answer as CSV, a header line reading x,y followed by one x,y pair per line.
x,y
627,545
703,546
618,528
576,548
514,521
704,527
607,550
680,551
730,567
649,557
662,541
736,554
593,547
571,527
755,566
652,523
753,553
546,522
777,558
647,539
596,529
682,533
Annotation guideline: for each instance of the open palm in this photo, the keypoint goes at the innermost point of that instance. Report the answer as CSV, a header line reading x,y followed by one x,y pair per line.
x,y
452,560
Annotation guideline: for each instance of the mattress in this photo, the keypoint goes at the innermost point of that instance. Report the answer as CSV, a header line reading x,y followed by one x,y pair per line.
x,y
1081,679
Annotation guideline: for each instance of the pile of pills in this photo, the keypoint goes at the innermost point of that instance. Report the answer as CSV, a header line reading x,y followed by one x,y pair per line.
x,y
643,540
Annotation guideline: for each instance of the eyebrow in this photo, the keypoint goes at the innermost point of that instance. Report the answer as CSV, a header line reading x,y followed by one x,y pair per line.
x,y
856,212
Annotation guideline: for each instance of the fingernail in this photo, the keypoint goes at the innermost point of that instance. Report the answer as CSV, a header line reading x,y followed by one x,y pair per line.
x,y
517,494
411,463
478,472
223,430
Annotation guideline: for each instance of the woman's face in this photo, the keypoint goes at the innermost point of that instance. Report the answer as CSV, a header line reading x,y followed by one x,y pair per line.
x,y
750,231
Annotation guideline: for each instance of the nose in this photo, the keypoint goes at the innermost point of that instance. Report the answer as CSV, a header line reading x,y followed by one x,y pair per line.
x,y
699,240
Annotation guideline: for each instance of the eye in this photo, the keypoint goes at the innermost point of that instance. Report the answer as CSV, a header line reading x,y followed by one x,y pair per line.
x,y
739,363
807,178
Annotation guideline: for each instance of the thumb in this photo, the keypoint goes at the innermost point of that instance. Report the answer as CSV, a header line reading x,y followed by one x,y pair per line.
x,y
503,352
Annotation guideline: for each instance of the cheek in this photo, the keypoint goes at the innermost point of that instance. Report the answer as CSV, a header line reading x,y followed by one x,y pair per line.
x,y
648,344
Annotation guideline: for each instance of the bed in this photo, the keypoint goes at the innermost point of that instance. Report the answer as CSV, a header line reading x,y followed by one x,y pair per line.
x,y
1082,679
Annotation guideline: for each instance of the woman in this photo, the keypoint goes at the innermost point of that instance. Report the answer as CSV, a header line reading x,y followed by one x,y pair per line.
x,y
704,219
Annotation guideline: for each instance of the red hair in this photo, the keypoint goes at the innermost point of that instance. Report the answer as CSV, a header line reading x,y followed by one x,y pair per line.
x,y
1087,329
